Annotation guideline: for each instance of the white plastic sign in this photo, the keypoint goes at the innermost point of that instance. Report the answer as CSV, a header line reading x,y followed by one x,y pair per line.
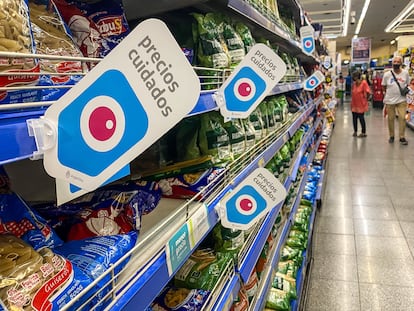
x,y
256,75
251,200
327,62
313,81
129,100
307,39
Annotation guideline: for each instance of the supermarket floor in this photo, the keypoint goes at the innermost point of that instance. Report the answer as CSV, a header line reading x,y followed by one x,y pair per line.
x,y
364,240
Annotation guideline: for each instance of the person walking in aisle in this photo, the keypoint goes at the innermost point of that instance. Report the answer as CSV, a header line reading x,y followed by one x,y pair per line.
x,y
359,103
393,99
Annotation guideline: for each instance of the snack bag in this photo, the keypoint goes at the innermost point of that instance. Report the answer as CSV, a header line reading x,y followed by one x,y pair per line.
x,y
37,280
17,218
16,36
180,299
110,20
84,31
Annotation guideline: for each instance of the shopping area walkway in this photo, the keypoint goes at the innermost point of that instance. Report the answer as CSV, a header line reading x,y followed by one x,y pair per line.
x,y
364,240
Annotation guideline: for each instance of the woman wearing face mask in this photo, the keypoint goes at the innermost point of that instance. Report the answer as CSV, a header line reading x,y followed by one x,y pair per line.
x,y
359,103
393,100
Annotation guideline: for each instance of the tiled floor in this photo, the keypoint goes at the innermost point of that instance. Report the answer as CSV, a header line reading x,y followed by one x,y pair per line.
x,y
364,240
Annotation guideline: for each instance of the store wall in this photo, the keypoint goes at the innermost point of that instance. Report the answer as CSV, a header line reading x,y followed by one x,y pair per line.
x,y
379,52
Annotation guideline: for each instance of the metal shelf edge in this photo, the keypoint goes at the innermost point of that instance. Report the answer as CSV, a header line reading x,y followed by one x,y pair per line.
x,y
228,294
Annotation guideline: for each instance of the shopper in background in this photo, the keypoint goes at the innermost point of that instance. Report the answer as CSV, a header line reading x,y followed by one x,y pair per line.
x,y
359,102
393,100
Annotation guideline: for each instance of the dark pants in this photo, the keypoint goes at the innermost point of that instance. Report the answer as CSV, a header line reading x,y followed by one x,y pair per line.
x,y
355,117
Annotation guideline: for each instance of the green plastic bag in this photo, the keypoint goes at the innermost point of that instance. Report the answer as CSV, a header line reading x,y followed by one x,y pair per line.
x,y
278,300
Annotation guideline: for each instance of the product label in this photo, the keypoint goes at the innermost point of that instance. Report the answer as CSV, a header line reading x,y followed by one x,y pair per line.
x,y
178,248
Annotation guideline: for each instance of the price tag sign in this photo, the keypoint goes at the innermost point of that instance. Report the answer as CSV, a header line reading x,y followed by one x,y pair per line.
x,y
307,39
251,200
130,99
178,248
199,224
313,81
327,62
256,75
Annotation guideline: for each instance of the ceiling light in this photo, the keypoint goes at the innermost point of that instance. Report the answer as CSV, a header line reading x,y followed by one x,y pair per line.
x,y
346,62
355,36
400,17
392,42
362,17
345,21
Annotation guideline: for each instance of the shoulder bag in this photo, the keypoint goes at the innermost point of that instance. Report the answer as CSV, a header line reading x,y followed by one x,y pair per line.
x,y
403,91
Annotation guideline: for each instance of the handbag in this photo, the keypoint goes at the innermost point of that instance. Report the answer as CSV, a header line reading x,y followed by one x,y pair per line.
x,y
403,91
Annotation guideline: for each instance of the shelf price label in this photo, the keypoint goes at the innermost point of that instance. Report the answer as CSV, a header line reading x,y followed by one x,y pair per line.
x,y
307,39
182,243
122,106
313,81
179,247
256,75
255,196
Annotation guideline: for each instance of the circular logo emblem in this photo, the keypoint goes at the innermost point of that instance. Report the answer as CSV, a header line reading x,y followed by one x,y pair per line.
x,y
102,123
308,43
244,89
246,204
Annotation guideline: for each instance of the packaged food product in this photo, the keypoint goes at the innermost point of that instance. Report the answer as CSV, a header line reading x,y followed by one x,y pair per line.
x,y
16,36
52,38
251,285
213,138
84,31
37,280
228,240
286,284
189,185
110,20
241,303
246,36
257,120
202,270
249,133
17,218
236,134
180,299
278,300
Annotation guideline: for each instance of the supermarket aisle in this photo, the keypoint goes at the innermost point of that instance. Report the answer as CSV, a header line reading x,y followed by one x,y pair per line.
x,y
364,239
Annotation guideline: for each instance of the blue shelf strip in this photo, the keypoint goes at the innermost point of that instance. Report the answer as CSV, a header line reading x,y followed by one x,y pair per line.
x,y
18,145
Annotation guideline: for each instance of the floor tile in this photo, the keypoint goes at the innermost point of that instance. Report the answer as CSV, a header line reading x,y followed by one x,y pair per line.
x,y
364,199
377,297
329,295
371,246
335,267
335,210
339,244
359,190
405,213
335,225
377,228
408,229
367,181
386,271
374,212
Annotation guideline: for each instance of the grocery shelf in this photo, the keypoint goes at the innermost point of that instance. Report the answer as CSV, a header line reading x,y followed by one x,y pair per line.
x,y
249,259
302,271
261,295
410,124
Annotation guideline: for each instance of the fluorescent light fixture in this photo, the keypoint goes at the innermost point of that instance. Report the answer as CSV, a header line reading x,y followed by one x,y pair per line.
x,y
346,62
331,36
355,36
400,17
345,21
362,17
392,42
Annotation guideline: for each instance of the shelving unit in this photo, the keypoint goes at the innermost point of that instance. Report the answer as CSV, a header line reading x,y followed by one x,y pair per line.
x,y
147,271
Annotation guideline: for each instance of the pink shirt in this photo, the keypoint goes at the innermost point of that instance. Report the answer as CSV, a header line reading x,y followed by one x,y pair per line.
x,y
359,102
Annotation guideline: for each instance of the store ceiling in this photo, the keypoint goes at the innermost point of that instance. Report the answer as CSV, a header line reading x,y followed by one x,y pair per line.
x,y
379,15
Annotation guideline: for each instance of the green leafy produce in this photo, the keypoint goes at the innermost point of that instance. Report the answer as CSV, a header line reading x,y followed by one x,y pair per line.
x,y
286,284
257,120
245,35
249,133
213,138
278,300
237,139
187,139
